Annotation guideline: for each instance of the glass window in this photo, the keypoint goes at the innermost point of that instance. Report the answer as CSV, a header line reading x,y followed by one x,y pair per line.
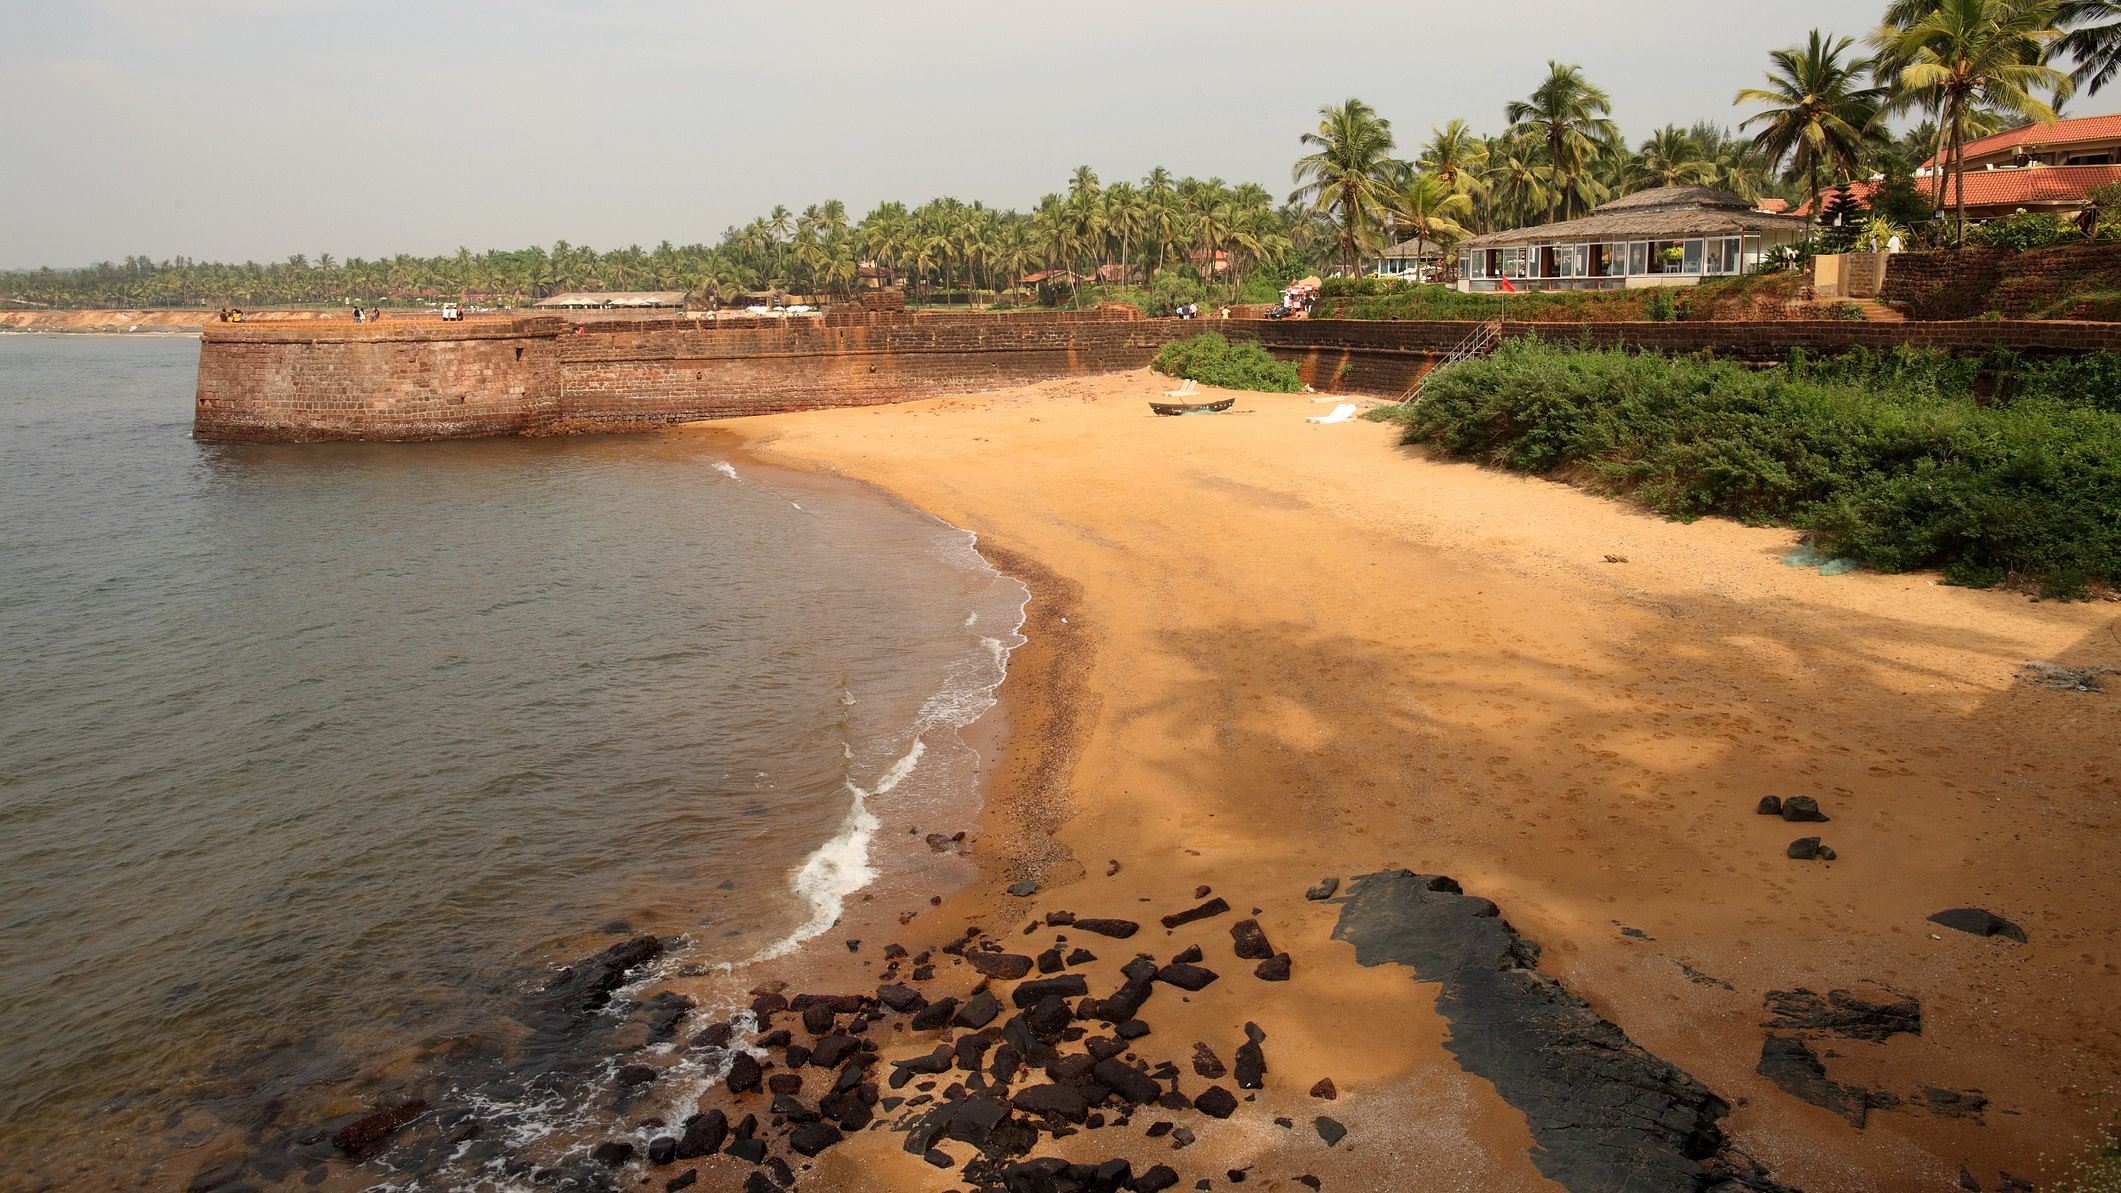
x,y
1691,262
1638,257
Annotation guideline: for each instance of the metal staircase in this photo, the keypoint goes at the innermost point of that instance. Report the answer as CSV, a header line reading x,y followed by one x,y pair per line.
x,y
1479,342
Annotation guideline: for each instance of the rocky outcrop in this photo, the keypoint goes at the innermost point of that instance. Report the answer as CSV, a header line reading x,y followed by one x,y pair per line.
x,y
1605,1113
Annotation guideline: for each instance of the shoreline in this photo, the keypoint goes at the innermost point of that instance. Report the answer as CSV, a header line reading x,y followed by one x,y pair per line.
x,y
1028,739
907,453
1259,653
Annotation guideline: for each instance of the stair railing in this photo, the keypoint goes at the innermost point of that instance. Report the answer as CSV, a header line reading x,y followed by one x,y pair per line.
x,y
1479,342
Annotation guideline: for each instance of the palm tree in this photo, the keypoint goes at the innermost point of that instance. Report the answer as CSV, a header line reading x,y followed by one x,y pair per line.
x,y
1520,182
1740,169
1671,157
1972,54
1572,119
1346,174
1424,204
1014,253
1126,214
778,225
2093,41
1456,155
1818,115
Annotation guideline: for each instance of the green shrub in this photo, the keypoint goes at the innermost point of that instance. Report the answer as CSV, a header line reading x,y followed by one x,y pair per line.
x,y
1886,458
1212,360
2025,230
1167,291
2093,381
1657,306
1359,286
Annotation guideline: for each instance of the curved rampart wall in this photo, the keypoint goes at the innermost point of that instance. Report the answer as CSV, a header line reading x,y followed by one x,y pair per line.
x,y
292,382
634,376
433,380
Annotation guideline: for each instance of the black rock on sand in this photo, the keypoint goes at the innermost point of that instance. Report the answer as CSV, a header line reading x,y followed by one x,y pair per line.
x,y
1606,1113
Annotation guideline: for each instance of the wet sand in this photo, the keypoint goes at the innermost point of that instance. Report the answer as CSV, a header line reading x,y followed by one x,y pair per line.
x,y
1263,652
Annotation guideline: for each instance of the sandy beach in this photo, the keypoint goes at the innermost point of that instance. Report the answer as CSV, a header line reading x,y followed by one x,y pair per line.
x,y
1264,651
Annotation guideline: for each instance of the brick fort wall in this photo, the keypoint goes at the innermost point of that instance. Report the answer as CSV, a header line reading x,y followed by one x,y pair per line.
x,y
294,382
1968,282
678,374
431,380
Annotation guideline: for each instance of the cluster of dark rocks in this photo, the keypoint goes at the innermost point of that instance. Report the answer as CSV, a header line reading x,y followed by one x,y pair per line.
x,y
1799,809
1034,1053
1799,1018
1030,1054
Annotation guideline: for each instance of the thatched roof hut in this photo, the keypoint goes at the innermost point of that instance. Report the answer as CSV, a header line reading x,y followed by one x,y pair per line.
x,y
1661,213
1664,236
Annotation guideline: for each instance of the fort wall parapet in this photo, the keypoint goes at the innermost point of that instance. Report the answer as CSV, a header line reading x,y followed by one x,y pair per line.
x,y
427,379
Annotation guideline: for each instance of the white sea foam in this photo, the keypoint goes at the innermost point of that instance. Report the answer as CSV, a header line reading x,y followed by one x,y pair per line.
x,y
840,866
831,874
725,468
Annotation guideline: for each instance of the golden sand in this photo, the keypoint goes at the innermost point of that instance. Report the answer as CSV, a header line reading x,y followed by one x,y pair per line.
x,y
1264,651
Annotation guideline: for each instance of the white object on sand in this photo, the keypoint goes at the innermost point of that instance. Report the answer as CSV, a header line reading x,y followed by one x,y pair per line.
x,y
1341,414
1183,391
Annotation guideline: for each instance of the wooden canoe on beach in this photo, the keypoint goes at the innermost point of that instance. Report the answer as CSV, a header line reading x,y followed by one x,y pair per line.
x,y
1175,408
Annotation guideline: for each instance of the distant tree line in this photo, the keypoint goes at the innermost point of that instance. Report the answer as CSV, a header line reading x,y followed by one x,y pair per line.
x,y
1959,68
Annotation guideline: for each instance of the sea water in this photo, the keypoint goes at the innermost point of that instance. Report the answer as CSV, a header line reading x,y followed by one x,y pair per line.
x,y
315,758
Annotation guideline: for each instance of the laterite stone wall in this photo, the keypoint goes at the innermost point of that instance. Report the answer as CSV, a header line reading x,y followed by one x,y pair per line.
x,y
292,382
430,380
681,374
1968,282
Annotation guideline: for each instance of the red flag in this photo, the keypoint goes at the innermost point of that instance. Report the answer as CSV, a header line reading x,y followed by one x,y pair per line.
x,y
1503,284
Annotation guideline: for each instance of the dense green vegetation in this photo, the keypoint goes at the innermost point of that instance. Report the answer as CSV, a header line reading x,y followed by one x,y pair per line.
x,y
1212,360
1886,458
1376,298
1963,67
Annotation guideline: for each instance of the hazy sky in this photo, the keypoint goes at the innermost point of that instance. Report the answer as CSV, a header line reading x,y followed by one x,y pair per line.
x,y
252,129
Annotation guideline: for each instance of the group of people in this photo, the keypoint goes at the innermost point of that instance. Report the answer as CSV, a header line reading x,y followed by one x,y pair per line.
x,y
1191,310
231,315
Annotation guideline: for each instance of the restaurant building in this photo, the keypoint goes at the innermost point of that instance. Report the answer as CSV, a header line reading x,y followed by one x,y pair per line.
x,y
1666,236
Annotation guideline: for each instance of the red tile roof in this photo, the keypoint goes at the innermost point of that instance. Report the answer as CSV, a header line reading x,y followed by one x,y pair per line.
x,y
2061,132
2004,188
2043,184
1860,189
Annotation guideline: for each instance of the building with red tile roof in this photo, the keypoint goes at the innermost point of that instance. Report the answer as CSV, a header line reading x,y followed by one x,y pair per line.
x,y
2000,192
2040,167
2086,141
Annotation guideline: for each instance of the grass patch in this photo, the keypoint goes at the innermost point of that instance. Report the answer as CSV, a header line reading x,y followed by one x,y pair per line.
x,y
2098,1170
1885,457
1212,360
